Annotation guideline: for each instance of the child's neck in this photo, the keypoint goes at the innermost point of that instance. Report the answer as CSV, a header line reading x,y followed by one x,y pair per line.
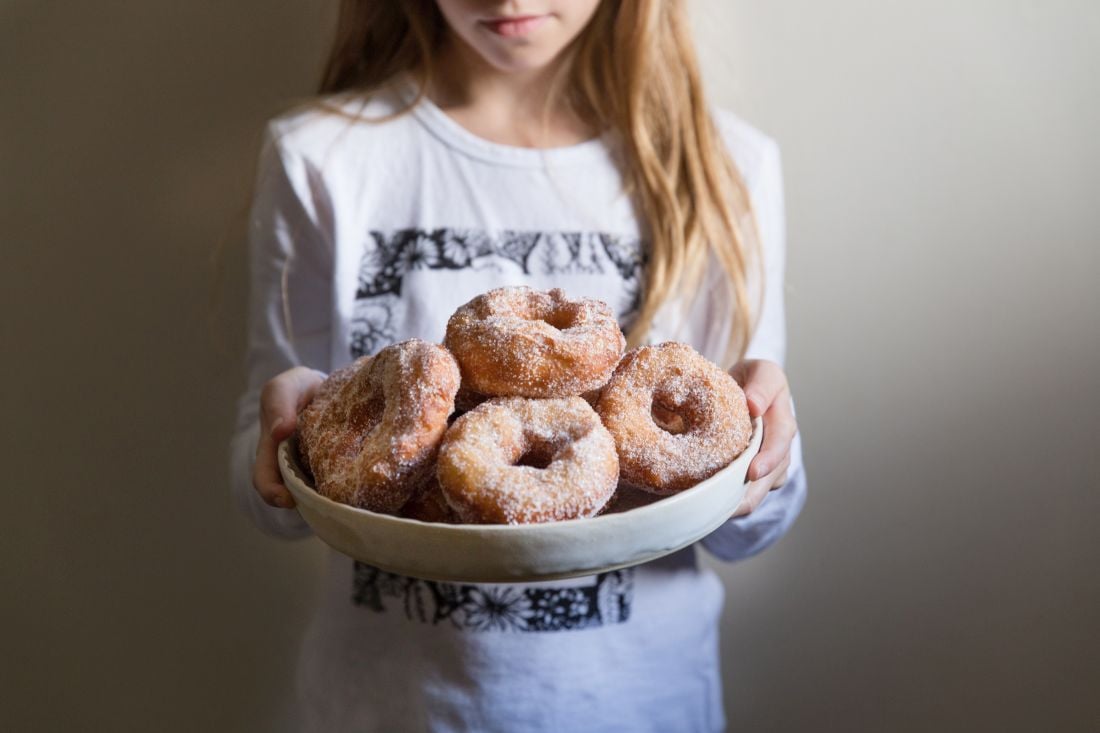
x,y
503,107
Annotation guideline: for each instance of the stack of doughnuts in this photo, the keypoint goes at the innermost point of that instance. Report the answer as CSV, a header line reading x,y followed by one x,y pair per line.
x,y
529,412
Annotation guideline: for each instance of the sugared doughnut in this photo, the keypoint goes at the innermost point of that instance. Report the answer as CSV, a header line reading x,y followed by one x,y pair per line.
x,y
309,417
518,461
529,343
374,430
677,418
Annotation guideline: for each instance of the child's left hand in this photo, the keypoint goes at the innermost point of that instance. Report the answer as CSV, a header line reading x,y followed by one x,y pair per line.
x,y
768,394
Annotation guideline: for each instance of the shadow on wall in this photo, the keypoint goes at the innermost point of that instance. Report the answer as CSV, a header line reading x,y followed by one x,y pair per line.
x,y
921,584
130,139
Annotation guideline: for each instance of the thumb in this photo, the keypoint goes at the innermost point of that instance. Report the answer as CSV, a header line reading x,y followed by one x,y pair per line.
x,y
277,408
762,382
283,427
283,397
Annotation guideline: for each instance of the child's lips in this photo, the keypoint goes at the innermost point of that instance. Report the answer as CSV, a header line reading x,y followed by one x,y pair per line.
x,y
515,25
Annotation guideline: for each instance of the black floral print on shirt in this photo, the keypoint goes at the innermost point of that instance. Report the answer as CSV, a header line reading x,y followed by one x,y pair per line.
x,y
390,255
601,599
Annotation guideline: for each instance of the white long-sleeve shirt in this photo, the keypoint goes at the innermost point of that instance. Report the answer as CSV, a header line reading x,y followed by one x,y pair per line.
x,y
367,233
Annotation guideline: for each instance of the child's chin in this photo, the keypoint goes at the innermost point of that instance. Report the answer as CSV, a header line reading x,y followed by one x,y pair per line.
x,y
522,59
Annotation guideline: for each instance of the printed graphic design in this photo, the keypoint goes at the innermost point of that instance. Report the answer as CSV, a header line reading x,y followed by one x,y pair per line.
x,y
602,599
391,255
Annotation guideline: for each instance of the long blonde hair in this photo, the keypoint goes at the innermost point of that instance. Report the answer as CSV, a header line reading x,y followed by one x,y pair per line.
x,y
633,72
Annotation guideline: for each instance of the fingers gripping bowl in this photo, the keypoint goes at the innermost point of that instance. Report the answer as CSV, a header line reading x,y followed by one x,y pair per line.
x,y
432,461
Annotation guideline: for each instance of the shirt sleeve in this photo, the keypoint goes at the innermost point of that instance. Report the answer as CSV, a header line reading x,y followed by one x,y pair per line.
x,y
746,536
289,307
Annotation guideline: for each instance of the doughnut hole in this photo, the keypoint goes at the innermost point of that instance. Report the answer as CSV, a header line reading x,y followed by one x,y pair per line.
x,y
535,453
667,419
677,405
535,459
560,316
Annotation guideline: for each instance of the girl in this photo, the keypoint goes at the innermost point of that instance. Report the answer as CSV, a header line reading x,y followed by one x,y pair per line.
x,y
461,145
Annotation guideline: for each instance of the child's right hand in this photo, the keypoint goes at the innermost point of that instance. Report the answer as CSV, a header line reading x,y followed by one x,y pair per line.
x,y
281,399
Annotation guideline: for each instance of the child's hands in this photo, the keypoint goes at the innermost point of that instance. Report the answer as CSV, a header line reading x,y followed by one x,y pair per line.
x,y
281,400
767,392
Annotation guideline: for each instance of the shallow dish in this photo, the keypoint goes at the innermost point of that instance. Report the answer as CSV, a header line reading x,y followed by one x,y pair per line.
x,y
516,553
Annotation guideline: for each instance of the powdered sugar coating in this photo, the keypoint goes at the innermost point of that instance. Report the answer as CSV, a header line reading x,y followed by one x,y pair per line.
x,y
703,410
310,418
372,433
518,341
482,482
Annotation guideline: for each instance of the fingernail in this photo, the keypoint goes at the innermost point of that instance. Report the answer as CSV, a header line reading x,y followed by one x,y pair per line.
x,y
275,425
762,469
283,501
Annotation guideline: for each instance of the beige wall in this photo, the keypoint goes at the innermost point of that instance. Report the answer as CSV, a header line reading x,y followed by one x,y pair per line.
x,y
942,176
943,171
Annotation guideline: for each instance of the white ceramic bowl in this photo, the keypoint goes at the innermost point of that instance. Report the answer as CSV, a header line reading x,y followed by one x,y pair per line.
x,y
516,553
